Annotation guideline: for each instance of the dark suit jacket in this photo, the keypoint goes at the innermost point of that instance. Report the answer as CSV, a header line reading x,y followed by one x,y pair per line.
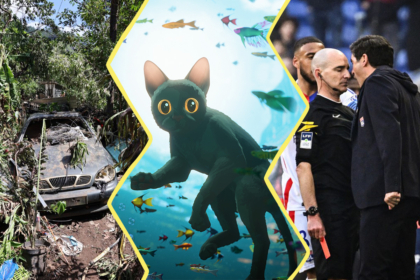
x,y
386,138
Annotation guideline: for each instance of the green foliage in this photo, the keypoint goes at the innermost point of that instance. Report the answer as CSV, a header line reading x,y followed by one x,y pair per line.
x,y
79,152
59,208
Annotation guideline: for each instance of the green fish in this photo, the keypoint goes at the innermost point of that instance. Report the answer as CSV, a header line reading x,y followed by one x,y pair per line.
x,y
183,197
263,54
270,18
264,155
143,251
144,21
236,250
281,278
274,100
253,36
172,241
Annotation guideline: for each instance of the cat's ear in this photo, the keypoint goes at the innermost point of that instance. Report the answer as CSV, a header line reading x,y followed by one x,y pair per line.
x,y
153,76
200,74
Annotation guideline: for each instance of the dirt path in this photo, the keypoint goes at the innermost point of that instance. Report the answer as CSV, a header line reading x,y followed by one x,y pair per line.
x,y
96,233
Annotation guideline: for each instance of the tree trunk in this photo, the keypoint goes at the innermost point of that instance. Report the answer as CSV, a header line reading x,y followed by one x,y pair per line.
x,y
114,16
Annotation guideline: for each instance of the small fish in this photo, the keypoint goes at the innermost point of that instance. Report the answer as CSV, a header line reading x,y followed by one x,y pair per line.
x,y
230,9
141,231
178,187
145,33
182,197
280,240
270,18
226,20
183,246
252,36
179,264
206,271
168,186
218,255
188,233
212,231
199,265
145,251
263,54
160,247
169,197
163,238
278,253
276,231
264,147
251,247
197,28
170,205
172,241
295,244
166,21
179,24
147,210
246,171
148,266
275,100
235,62
246,235
281,278
236,250
219,14
220,45
125,41
154,276
264,155
138,202
172,9
144,20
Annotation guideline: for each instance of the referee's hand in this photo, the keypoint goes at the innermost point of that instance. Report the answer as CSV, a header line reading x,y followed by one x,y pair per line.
x,y
392,199
316,228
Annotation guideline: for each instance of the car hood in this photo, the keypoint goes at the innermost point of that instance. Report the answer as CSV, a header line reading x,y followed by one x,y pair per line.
x,y
59,156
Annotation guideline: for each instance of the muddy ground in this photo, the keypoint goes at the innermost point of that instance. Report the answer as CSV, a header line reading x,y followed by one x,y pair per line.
x,y
96,232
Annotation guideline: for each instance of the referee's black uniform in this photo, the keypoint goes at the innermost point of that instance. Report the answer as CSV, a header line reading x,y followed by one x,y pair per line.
x,y
323,140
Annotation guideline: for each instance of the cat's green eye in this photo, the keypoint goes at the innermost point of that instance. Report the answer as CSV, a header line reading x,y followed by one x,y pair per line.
x,y
191,105
164,107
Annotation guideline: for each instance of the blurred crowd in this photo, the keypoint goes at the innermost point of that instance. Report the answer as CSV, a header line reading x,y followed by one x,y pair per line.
x,y
338,23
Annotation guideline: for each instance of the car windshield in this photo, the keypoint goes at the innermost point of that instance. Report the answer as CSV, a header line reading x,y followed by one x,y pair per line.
x,y
59,130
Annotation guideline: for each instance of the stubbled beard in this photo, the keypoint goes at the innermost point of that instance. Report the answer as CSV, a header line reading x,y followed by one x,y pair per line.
x,y
306,77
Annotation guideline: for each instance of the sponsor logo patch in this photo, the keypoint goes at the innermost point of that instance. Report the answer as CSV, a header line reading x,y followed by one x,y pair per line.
x,y
306,140
362,122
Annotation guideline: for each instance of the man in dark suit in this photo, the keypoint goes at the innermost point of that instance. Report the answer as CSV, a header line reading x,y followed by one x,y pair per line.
x,y
385,161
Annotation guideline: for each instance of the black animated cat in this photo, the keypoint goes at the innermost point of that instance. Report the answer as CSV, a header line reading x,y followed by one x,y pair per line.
x,y
208,141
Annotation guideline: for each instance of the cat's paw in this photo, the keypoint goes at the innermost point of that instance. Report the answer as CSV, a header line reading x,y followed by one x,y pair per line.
x,y
142,181
207,250
200,222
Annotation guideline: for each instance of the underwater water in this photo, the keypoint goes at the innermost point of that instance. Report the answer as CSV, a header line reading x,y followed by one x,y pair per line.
x,y
168,220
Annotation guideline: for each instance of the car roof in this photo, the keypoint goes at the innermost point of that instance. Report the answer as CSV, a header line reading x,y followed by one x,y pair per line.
x,y
54,115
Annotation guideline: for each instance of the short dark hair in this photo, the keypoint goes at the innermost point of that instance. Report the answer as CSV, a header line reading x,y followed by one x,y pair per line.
x,y
305,40
377,48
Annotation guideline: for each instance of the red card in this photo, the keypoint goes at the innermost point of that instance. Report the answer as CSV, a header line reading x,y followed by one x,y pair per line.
x,y
325,248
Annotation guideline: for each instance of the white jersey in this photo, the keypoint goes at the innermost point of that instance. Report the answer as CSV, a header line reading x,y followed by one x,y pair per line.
x,y
289,183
